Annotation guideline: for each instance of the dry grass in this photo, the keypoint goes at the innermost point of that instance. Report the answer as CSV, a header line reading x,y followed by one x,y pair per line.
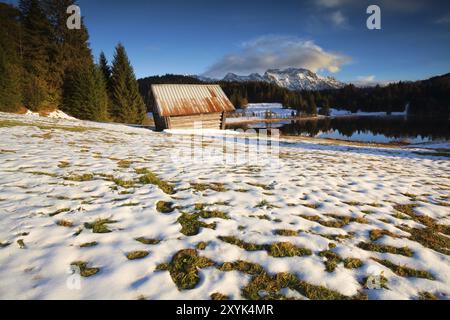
x,y
63,164
263,286
165,207
219,296
88,244
332,260
124,164
85,271
99,225
190,224
214,186
64,223
260,185
59,211
376,234
264,204
285,232
134,255
404,271
352,263
149,177
183,268
427,296
148,241
80,177
338,221
369,246
277,250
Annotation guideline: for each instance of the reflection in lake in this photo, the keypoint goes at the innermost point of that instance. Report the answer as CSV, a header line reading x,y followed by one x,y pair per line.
x,y
364,128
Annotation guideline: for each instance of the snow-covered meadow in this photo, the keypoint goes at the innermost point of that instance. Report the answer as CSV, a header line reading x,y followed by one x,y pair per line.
x,y
105,211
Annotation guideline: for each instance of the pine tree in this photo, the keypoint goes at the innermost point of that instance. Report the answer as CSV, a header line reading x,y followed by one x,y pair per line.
x,y
325,107
10,63
69,48
127,105
312,107
85,95
104,67
35,49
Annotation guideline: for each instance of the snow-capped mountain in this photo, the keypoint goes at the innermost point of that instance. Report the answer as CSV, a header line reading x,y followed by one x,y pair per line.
x,y
301,79
251,77
290,78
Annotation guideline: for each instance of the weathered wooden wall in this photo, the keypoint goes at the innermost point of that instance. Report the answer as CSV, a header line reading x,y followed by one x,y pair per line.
x,y
208,121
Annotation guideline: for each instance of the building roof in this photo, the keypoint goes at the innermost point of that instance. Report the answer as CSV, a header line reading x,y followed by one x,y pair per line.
x,y
186,99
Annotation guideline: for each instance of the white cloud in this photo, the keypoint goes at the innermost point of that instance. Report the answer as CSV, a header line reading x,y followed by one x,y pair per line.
x,y
338,19
444,19
334,3
370,81
273,51
370,78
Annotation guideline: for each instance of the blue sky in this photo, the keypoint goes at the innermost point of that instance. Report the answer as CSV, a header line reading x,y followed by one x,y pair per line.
x,y
327,36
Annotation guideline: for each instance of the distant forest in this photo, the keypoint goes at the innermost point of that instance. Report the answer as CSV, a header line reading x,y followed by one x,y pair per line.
x,y
46,66
429,98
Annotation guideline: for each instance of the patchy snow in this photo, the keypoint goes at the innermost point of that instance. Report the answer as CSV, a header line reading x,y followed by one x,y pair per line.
x,y
259,111
242,119
38,157
204,132
30,113
58,114
432,145
340,113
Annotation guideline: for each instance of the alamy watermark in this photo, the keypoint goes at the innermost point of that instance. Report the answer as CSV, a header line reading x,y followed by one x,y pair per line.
x,y
374,20
73,281
237,147
74,20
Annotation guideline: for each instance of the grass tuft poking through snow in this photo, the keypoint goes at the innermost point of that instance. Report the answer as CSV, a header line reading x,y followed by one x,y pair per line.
x,y
277,250
183,268
99,225
85,271
149,177
370,246
134,255
403,271
165,207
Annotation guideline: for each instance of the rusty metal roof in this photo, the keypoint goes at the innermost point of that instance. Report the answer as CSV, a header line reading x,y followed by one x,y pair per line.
x,y
185,99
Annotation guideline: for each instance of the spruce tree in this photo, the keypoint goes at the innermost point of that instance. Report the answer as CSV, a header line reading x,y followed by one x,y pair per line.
x,y
312,107
85,95
10,63
127,105
325,107
69,47
100,94
35,49
104,67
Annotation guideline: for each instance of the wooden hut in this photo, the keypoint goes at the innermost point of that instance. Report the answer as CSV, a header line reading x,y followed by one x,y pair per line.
x,y
182,106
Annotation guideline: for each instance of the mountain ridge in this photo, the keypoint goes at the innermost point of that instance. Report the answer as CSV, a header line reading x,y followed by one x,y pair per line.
x,y
290,78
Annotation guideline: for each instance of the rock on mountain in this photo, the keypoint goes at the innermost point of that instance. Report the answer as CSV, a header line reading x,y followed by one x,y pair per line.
x,y
251,77
301,79
290,78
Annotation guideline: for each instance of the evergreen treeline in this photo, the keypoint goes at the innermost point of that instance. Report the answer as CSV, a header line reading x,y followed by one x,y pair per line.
x,y
426,98
46,66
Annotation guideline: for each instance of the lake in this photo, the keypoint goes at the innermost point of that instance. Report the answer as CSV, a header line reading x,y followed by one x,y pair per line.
x,y
379,129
